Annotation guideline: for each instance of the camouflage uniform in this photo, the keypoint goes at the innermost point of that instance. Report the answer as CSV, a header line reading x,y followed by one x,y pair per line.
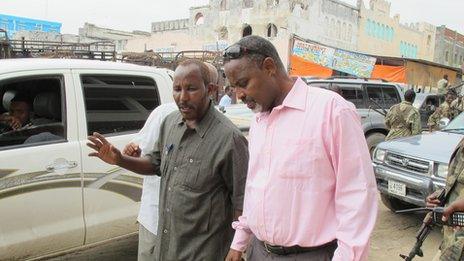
x,y
453,240
403,120
444,111
457,106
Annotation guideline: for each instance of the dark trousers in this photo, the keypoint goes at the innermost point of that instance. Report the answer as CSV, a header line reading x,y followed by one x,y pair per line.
x,y
257,252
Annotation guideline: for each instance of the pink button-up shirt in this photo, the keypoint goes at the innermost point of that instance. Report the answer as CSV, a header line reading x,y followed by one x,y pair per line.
x,y
310,178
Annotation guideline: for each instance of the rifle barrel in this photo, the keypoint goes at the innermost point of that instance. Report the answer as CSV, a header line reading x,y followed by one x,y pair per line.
x,y
412,210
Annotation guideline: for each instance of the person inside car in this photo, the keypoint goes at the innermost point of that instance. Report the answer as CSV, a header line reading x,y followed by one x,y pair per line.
x,y
18,116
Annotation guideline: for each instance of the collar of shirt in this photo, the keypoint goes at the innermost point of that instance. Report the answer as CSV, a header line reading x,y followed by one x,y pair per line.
x,y
204,124
295,99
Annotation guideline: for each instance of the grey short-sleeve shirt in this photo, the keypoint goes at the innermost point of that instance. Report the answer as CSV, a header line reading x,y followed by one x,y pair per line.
x,y
203,175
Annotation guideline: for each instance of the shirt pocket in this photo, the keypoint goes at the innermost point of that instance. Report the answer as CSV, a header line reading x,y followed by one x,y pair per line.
x,y
194,177
301,159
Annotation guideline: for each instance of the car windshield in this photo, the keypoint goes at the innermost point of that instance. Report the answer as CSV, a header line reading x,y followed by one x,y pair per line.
x,y
456,125
419,100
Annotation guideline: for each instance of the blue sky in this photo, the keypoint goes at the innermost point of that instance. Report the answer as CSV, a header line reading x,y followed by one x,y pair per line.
x,y
138,14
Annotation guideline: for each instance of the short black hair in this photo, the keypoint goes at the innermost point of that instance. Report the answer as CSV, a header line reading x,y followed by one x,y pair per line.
x,y
264,46
227,88
410,95
205,75
451,92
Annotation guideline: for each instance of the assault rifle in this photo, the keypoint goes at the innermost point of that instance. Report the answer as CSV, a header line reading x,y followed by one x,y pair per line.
x,y
425,229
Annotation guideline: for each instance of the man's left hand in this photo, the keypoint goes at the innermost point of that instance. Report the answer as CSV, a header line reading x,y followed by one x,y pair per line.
x,y
234,255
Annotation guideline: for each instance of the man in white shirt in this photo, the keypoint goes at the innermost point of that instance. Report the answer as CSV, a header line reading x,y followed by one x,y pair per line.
x,y
148,215
442,85
226,100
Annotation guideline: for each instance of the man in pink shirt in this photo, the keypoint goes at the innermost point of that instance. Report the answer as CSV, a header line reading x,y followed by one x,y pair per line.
x,y
310,191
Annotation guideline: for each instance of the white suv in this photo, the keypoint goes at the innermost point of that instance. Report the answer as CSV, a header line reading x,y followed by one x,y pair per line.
x,y
53,197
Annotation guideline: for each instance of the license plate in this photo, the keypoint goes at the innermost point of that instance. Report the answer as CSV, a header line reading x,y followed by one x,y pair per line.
x,y
396,188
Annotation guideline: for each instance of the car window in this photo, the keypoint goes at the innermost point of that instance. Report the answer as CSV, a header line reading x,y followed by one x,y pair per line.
x,y
383,95
429,101
390,96
374,96
352,93
32,111
118,103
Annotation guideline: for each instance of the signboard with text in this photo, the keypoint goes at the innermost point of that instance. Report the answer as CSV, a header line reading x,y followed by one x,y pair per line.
x,y
337,59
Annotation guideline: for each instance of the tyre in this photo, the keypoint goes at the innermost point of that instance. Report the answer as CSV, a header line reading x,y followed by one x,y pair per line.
x,y
394,204
373,139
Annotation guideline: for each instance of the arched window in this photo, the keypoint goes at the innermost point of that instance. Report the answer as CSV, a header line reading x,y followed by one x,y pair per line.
x,y
344,36
271,30
199,19
332,28
429,40
223,34
327,23
447,56
247,3
224,5
350,32
247,30
378,31
339,28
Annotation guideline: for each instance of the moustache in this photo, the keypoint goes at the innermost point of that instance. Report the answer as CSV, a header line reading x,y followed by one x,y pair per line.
x,y
185,105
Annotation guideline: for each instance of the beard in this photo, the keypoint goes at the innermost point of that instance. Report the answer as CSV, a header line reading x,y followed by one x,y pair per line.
x,y
257,108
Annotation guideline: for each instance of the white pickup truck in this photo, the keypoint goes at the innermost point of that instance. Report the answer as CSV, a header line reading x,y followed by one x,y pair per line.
x,y
53,197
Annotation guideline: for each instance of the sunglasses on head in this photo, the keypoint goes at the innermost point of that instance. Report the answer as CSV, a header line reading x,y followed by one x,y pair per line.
x,y
236,51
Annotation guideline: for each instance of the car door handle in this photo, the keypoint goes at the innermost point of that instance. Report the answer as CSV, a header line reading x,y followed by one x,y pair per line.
x,y
61,164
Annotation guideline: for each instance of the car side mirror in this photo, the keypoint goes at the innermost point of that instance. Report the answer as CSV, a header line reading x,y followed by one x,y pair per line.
x,y
443,123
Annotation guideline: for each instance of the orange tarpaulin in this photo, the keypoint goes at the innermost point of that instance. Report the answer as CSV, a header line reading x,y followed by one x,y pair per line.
x,y
390,73
302,67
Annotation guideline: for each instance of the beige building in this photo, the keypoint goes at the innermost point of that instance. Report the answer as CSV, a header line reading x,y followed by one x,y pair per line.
x,y
381,34
223,22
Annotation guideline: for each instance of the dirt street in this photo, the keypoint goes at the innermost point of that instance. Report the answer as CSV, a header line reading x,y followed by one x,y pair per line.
x,y
394,234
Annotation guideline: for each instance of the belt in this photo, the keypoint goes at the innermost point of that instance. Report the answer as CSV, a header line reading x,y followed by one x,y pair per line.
x,y
283,251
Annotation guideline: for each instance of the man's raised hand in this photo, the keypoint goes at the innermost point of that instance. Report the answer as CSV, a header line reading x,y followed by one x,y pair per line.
x,y
103,149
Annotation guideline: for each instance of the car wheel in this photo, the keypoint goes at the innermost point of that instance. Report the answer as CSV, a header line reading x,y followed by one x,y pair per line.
x,y
394,204
374,139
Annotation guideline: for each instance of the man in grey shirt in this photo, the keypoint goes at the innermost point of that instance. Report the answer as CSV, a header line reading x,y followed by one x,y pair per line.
x,y
202,160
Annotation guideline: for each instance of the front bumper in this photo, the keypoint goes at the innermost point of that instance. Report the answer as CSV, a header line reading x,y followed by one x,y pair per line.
x,y
418,187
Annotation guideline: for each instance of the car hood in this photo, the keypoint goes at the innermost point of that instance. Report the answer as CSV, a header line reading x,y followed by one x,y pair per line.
x,y
437,146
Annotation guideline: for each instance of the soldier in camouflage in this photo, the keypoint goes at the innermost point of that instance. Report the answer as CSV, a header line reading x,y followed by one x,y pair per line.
x,y
452,245
457,106
403,119
444,111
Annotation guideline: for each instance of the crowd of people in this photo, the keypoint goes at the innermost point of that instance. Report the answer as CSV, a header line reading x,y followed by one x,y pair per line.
x,y
301,187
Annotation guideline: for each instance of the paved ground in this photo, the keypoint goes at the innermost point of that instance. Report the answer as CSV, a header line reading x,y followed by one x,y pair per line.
x,y
394,234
